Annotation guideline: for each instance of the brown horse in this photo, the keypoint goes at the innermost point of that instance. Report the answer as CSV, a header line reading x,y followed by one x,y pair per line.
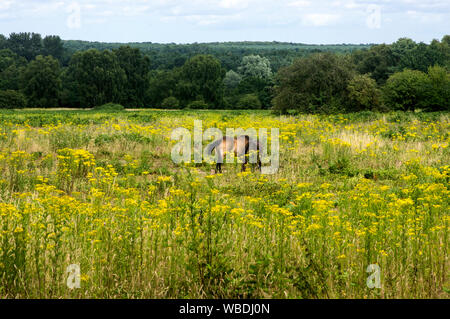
x,y
240,146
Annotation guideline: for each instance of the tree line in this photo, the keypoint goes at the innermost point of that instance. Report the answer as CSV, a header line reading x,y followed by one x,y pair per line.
x,y
42,72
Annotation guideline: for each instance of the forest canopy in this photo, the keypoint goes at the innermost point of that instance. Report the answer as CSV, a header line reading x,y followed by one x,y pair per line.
x,y
38,71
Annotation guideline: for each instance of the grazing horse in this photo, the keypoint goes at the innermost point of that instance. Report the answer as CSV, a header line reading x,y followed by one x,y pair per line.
x,y
240,146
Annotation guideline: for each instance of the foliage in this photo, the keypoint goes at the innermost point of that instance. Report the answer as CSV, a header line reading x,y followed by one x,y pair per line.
x,y
136,67
438,92
255,66
249,102
10,99
406,90
363,94
41,82
199,104
314,84
231,80
170,102
94,78
11,67
201,78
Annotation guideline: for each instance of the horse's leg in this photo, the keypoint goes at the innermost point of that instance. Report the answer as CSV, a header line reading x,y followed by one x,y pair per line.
x,y
246,154
245,161
218,168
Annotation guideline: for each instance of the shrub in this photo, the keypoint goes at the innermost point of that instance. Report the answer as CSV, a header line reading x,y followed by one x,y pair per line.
x,y
249,101
109,107
199,105
406,90
11,99
438,93
170,103
316,84
363,94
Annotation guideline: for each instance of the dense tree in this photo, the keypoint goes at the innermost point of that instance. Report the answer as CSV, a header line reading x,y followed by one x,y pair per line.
x,y
170,102
231,80
136,67
25,44
379,61
41,82
11,67
3,42
438,91
406,90
255,66
53,46
249,102
11,99
262,87
94,78
314,84
363,94
193,73
162,84
201,78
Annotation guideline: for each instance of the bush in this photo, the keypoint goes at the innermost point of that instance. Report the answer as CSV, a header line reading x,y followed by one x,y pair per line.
x,y
406,90
316,84
363,94
11,99
170,103
109,107
198,105
438,93
249,101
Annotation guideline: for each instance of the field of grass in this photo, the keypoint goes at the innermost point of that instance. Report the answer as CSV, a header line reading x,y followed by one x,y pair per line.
x,y
100,190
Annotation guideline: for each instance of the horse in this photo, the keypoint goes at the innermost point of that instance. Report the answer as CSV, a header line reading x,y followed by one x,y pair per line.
x,y
240,146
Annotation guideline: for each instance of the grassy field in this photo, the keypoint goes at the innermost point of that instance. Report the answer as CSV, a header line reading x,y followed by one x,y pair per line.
x,y
100,190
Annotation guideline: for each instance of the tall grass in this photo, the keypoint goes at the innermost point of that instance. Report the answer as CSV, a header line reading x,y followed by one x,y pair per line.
x,y
99,190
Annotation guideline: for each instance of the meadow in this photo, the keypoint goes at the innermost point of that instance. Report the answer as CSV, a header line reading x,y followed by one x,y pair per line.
x,y
100,190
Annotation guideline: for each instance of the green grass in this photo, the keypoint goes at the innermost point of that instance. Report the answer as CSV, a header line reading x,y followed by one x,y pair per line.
x,y
99,189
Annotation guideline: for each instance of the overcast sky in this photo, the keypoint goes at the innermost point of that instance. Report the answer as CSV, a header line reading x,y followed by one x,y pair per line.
x,y
180,21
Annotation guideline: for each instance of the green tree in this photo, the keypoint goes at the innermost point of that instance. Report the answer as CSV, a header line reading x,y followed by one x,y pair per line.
x,y
11,67
261,87
363,94
201,78
438,92
41,82
314,84
162,84
53,46
379,62
136,67
170,102
25,44
249,102
94,78
3,42
255,66
406,90
11,99
231,80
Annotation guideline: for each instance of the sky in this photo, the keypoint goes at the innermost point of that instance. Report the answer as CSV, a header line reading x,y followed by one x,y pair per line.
x,y
180,21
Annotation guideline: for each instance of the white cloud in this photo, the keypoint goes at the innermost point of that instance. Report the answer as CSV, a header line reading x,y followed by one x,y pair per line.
x,y
299,4
231,19
235,4
320,19
424,17
5,4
